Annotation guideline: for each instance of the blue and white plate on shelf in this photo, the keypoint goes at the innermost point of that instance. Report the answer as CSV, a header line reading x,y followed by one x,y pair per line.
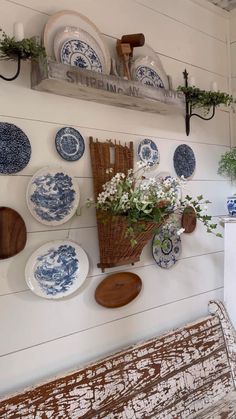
x,y
149,71
166,247
57,269
148,153
56,33
69,144
184,161
52,196
15,149
76,47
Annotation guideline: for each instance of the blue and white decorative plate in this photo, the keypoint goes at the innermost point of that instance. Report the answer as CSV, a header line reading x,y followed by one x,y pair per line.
x,y
166,247
148,153
69,144
184,161
149,71
56,269
73,46
52,196
15,149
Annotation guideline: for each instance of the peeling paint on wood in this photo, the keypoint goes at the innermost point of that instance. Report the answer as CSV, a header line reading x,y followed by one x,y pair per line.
x,y
175,376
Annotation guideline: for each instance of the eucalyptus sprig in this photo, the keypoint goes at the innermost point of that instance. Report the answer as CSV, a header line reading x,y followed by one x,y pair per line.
x,y
28,48
205,99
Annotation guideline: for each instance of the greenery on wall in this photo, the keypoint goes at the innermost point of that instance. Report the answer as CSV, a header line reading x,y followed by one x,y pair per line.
x,y
227,164
206,99
28,48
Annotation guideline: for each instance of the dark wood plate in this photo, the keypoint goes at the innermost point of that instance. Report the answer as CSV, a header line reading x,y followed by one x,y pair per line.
x,y
118,289
12,233
189,219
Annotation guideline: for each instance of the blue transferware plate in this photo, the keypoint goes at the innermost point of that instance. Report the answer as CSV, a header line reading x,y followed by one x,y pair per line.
x,y
148,76
15,149
56,269
52,196
69,144
148,70
184,161
148,152
80,54
166,247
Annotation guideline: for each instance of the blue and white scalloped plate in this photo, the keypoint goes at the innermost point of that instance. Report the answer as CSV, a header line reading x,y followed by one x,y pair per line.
x,y
148,153
57,269
69,144
52,196
166,247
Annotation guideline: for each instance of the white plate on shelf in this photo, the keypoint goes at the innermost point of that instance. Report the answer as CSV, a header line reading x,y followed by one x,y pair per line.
x,y
148,70
56,269
77,47
71,18
52,196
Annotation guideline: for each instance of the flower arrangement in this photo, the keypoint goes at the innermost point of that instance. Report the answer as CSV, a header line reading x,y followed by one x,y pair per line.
x,y
205,99
227,164
28,48
142,200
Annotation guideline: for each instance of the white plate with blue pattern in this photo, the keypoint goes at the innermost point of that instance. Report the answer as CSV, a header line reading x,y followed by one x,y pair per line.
x,y
166,246
52,196
76,47
69,144
64,18
57,269
149,71
148,153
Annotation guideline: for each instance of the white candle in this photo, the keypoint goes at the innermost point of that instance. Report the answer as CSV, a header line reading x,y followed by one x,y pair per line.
x,y
214,86
18,31
192,81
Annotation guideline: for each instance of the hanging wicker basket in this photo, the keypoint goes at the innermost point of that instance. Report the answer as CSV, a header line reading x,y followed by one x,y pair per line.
x,y
114,242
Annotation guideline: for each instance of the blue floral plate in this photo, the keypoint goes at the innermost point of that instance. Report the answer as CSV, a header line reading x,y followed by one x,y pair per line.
x,y
15,149
184,161
52,196
149,71
148,153
56,269
166,247
69,144
76,47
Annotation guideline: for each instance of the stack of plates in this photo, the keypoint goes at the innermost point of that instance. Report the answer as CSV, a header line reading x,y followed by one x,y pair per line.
x,y
73,39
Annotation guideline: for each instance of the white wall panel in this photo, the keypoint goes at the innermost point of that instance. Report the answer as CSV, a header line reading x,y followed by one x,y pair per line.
x,y
41,337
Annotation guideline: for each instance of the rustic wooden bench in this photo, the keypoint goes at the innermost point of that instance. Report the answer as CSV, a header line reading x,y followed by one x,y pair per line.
x,y
188,373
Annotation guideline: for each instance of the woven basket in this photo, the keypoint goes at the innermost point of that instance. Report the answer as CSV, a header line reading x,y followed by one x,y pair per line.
x,y
114,243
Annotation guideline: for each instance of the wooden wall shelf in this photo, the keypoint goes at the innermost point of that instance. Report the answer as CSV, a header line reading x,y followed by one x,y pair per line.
x,y
64,80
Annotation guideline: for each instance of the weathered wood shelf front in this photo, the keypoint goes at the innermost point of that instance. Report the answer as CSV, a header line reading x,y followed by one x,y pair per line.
x,y
83,84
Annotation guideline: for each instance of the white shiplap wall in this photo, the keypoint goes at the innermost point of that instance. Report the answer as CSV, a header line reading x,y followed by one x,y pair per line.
x,y
39,338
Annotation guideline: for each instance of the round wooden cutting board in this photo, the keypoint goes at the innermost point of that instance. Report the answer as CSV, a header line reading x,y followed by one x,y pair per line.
x,y
189,219
118,289
12,233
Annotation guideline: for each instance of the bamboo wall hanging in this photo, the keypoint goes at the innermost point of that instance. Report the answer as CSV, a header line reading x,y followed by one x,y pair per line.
x,y
114,244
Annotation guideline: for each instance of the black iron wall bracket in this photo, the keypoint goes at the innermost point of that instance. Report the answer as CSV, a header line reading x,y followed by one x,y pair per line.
x,y
19,58
189,108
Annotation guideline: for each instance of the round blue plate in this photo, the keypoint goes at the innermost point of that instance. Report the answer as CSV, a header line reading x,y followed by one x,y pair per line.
x,y
148,152
15,149
166,247
79,53
184,161
69,144
148,76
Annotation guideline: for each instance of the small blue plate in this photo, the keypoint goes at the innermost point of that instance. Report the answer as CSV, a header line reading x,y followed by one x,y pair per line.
x,y
184,161
168,250
148,152
15,149
149,77
69,144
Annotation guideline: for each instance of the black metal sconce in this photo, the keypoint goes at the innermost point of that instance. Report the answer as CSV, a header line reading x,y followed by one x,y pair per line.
x,y
189,107
19,58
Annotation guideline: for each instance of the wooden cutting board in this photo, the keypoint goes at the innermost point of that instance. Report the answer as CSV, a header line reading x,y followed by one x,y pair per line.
x,y
189,219
118,289
12,233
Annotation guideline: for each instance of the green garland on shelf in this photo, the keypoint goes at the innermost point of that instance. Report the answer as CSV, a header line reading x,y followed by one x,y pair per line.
x,y
28,48
205,99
